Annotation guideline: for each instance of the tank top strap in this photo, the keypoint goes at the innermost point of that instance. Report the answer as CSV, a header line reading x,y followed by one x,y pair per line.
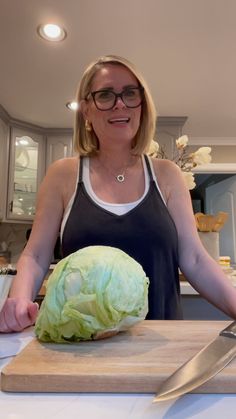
x,y
149,168
80,180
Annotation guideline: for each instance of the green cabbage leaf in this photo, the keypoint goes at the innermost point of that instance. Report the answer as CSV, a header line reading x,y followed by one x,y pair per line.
x,y
96,290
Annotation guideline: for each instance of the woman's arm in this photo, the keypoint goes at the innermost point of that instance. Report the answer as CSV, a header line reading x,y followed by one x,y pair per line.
x,y
203,272
19,310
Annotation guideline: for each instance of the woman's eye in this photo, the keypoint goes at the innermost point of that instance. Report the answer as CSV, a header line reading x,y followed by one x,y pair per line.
x,y
130,93
106,95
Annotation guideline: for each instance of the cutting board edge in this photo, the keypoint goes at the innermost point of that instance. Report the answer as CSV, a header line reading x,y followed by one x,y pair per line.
x,y
107,383
112,385
111,388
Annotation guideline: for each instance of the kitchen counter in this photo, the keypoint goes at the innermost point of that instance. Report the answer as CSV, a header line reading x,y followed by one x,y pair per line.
x,y
194,306
185,287
106,406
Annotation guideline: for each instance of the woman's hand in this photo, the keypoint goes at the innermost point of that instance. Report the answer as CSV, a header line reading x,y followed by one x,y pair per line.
x,y
17,314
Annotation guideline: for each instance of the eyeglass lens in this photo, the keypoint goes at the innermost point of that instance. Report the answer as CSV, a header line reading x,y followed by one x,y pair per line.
x,y
106,99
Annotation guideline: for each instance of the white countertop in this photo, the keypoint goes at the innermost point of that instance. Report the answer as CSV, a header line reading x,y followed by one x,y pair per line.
x,y
187,289
106,406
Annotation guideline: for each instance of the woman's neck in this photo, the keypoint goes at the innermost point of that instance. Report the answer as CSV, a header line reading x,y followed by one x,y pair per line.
x,y
116,161
114,166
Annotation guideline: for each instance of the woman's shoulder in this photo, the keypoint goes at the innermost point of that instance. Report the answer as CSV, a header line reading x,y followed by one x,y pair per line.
x,y
61,177
165,167
168,175
64,166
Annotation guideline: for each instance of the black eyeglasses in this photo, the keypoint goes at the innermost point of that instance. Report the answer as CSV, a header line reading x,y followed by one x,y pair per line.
x,y
106,99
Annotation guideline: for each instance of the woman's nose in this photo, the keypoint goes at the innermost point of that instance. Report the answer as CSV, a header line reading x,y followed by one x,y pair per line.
x,y
119,103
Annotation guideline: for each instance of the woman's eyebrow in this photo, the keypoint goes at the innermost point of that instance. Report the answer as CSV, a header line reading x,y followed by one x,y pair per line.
x,y
127,86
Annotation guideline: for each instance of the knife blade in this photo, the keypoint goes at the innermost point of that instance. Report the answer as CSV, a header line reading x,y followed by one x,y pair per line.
x,y
201,367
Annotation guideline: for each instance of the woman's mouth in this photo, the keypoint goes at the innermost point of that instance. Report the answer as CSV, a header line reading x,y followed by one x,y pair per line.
x,y
124,120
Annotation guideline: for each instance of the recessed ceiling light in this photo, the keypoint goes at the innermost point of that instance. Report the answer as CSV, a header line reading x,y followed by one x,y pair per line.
x,y
73,106
52,32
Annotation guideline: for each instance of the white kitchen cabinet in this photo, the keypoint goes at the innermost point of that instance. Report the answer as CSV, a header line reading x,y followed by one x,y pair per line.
x,y
31,153
58,147
4,135
26,170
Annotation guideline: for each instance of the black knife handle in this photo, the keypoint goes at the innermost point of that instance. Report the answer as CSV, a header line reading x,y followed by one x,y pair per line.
x,y
229,331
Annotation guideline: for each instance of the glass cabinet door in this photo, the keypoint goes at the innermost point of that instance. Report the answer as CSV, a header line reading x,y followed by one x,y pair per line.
x,y
25,174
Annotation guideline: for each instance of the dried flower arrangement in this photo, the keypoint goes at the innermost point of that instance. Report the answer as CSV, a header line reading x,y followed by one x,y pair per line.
x,y
185,160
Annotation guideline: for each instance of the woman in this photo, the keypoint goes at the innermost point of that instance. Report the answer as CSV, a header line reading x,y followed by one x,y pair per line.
x,y
114,195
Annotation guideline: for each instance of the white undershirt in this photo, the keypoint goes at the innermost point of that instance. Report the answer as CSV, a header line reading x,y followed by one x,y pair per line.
x,y
118,209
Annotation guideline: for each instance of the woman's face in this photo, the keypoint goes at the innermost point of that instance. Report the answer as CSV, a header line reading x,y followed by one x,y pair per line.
x,y
119,124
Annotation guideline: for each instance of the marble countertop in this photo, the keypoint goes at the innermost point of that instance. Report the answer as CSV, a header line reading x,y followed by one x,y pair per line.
x,y
104,406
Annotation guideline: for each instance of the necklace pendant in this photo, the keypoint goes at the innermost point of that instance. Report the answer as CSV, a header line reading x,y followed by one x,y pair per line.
x,y
120,178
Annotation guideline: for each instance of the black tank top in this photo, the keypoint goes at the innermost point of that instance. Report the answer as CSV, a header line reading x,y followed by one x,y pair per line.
x,y
147,233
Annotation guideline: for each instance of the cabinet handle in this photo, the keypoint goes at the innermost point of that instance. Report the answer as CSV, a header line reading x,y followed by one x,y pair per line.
x,y
11,206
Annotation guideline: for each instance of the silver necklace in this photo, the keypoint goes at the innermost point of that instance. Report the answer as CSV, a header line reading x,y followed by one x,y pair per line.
x,y
120,177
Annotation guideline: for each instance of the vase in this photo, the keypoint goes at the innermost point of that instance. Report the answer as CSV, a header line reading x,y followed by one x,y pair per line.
x,y
210,241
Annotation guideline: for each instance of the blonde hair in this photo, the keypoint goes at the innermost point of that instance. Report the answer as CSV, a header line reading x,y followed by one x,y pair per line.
x,y
86,142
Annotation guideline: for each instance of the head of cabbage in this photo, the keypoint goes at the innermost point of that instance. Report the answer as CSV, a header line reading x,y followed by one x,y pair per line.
x,y
94,292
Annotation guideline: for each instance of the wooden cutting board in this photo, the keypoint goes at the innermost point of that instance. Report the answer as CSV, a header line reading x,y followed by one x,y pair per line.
x,y
135,361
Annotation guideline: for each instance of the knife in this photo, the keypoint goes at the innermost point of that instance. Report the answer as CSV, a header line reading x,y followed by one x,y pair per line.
x,y
201,367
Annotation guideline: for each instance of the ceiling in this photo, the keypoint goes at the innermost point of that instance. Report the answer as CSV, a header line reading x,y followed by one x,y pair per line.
x,y
185,49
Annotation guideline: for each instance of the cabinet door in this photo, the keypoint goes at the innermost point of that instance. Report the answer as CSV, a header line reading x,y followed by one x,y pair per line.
x,y
27,166
222,197
58,147
4,136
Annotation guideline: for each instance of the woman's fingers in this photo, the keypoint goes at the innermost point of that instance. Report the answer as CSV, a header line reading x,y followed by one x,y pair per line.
x,y
33,309
17,314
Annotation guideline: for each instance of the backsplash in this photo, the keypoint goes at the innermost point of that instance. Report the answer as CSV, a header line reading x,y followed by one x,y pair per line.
x,y
14,235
